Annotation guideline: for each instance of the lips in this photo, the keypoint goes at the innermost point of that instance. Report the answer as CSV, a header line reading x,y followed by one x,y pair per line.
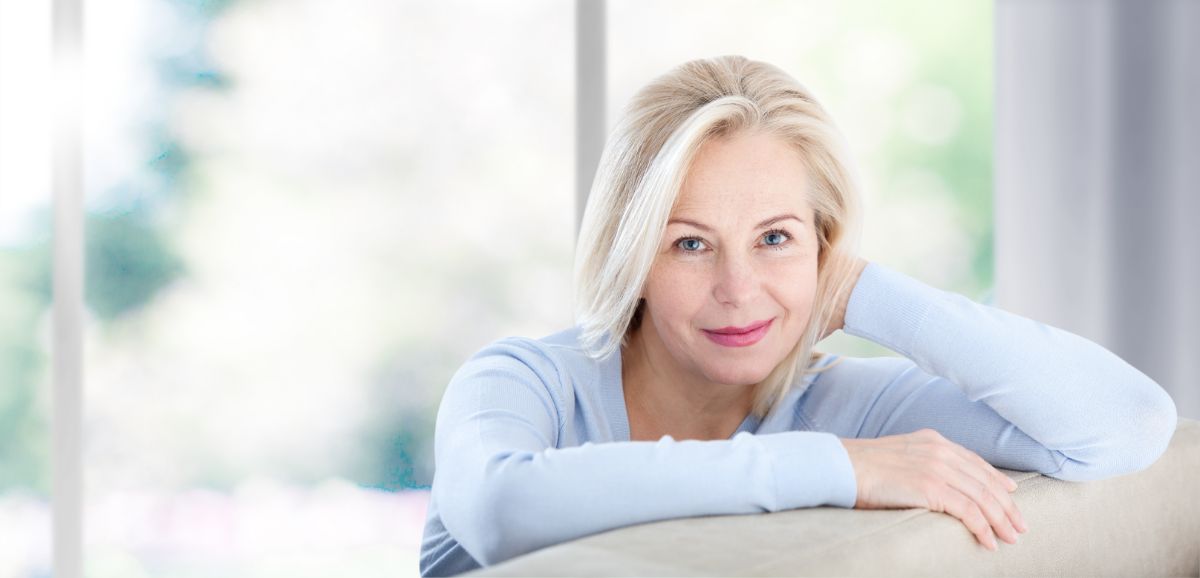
x,y
739,336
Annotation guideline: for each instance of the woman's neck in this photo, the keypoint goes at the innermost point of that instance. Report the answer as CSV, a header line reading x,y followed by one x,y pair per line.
x,y
662,399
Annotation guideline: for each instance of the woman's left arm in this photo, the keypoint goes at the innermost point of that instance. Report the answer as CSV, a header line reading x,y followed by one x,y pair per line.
x,y
1098,415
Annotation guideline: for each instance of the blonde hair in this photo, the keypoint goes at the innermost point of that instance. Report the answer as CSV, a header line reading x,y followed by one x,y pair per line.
x,y
642,169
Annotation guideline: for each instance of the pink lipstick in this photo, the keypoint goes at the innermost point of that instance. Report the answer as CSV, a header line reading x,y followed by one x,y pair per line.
x,y
739,336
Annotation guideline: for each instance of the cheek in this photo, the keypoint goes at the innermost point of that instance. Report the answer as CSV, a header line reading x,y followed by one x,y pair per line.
x,y
794,286
675,290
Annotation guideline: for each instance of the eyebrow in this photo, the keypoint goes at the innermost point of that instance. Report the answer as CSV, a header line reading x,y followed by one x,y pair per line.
x,y
766,223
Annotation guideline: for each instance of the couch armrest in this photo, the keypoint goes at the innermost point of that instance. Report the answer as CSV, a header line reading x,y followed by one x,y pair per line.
x,y
1146,523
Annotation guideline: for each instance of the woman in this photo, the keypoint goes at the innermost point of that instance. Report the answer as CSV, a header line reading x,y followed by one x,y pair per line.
x,y
717,248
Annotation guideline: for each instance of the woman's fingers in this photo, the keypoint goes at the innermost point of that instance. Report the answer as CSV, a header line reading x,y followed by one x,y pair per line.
x,y
969,480
957,504
1000,484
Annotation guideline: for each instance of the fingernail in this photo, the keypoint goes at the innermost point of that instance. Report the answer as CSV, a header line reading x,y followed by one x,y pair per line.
x,y
992,543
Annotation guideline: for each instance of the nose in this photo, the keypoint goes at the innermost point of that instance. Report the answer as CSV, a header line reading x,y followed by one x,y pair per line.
x,y
735,280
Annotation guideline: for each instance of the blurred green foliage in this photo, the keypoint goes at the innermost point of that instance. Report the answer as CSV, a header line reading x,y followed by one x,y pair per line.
x,y
955,51
24,429
127,262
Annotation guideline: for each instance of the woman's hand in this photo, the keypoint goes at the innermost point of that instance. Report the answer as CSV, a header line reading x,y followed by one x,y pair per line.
x,y
925,470
839,314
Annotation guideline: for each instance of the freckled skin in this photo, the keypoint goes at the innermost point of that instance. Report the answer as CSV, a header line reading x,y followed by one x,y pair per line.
x,y
733,274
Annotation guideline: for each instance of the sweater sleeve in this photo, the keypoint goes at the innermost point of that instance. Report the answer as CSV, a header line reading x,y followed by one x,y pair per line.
x,y
1021,394
504,489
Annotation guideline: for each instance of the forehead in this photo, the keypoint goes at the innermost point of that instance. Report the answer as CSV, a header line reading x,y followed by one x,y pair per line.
x,y
746,173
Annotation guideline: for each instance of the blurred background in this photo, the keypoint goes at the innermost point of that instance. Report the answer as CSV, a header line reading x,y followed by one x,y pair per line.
x,y
301,217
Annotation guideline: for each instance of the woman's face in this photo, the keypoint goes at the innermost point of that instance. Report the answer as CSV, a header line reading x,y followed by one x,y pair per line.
x,y
739,251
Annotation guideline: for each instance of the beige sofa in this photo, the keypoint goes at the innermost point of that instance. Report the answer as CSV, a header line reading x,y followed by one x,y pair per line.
x,y
1142,524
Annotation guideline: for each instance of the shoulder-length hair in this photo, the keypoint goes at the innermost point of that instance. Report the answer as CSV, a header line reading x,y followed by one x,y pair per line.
x,y
642,169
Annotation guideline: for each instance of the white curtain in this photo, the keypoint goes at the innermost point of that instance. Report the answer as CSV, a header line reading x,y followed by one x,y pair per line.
x,y
1097,177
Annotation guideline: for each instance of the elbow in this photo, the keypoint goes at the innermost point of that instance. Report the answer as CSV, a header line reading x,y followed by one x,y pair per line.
x,y
509,525
1130,450
495,536
487,545
1152,429
1153,418
1146,444
491,520
1154,433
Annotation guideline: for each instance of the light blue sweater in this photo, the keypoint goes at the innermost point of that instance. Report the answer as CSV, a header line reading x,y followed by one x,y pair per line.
x,y
532,438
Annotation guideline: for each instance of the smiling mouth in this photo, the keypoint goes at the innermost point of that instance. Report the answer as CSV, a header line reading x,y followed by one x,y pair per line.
x,y
739,336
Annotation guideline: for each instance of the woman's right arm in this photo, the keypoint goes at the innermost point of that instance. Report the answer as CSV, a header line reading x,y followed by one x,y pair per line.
x,y
503,489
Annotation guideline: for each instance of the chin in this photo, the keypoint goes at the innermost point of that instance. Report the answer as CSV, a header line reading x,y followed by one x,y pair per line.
x,y
738,375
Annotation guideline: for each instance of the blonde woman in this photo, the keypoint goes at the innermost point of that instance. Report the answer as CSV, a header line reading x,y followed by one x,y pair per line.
x,y
718,247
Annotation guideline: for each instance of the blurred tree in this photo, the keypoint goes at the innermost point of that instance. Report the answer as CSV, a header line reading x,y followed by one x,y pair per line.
x,y
127,262
24,431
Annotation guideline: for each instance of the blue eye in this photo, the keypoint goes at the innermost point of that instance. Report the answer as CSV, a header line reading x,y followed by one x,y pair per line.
x,y
776,237
689,244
